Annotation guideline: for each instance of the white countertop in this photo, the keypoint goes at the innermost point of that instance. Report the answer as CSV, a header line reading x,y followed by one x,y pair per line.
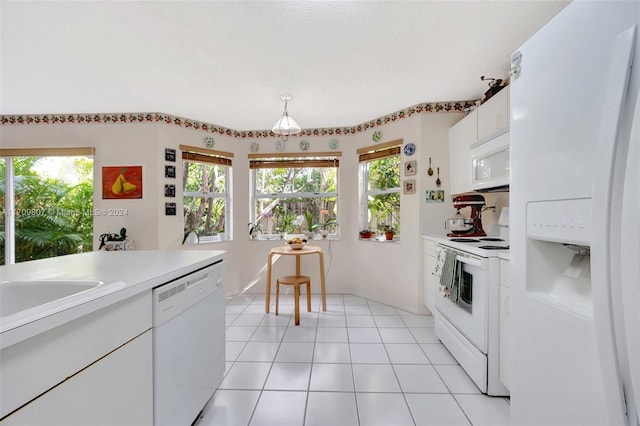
x,y
123,273
470,247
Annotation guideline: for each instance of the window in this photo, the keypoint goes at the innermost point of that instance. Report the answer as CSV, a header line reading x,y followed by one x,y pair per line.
x,y
48,210
294,194
206,182
380,186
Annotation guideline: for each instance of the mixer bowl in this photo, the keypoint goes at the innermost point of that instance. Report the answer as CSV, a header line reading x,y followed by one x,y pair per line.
x,y
459,225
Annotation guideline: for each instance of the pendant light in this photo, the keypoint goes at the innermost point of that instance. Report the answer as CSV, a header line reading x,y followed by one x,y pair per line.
x,y
286,125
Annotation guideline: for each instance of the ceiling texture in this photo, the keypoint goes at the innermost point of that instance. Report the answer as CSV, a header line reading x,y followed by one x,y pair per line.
x,y
227,62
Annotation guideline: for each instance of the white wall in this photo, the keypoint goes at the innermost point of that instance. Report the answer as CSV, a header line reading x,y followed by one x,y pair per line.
x,y
116,145
386,272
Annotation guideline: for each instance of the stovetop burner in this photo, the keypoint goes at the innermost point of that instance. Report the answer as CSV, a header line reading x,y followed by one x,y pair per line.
x,y
464,240
494,247
491,239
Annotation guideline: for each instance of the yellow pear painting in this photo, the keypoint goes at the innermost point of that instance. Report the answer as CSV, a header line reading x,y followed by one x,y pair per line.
x,y
121,182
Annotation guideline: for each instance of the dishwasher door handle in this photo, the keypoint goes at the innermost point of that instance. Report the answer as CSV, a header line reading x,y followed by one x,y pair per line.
x,y
196,281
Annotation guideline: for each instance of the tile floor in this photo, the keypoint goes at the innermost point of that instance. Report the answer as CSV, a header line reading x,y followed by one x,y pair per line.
x,y
358,363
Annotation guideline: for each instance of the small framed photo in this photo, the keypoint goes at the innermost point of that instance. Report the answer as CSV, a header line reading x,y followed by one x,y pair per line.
x,y
434,196
410,168
170,171
410,186
170,155
170,209
170,190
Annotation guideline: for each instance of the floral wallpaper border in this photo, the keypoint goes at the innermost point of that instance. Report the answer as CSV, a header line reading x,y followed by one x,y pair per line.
x,y
156,117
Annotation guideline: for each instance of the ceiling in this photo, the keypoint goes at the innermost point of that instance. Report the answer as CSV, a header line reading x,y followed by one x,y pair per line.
x,y
228,62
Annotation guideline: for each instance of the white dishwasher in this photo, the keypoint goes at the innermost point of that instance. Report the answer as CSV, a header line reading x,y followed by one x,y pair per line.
x,y
188,344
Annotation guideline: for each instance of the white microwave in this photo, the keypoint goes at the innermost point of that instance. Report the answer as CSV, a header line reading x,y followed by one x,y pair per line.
x,y
490,166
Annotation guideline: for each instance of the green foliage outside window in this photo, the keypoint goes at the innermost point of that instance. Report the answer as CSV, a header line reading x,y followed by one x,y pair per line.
x,y
204,198
53,217
383,193
296,199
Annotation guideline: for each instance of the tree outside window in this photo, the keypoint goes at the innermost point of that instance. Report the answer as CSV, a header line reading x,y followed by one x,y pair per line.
x,y
295,195
52,206
205,191
380,188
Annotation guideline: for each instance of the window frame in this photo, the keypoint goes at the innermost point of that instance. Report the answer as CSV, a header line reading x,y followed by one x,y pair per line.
x,y
366,155
8,155
312,160
224,159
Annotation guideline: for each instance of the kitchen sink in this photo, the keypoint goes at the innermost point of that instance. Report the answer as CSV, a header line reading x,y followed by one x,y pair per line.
x,y
18,296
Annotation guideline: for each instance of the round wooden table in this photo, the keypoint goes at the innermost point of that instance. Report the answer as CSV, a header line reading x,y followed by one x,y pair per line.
x,y
287,251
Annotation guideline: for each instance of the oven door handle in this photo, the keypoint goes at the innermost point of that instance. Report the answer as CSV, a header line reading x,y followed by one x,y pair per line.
x,y
469,261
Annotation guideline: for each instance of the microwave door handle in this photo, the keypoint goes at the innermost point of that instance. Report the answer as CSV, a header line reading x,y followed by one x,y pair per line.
x,y
469,261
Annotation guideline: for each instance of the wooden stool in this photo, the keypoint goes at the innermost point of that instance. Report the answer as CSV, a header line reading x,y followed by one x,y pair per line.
x,y
295,281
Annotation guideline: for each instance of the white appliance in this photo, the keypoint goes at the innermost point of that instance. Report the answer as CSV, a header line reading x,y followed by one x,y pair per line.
x,y
188,344
490,163
575,236
469,328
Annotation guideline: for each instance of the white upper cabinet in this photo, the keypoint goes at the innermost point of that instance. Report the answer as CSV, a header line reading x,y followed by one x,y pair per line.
x,y
493,116
461,137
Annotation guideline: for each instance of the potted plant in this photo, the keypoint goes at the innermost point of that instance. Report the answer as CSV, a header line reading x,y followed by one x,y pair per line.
x,y
268,215
286,224
308,217
322,227
389,232
254,230
367,234
190,229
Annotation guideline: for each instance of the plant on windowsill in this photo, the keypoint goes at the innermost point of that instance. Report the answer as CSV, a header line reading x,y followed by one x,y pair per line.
x,y
254,230
286,224
308,217
367,234
323,228
190,229
389,232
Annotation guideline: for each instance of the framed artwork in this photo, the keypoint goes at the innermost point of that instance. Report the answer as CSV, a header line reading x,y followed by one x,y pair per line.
x,y
121,182
170,209
434,196
169,190
410,186
170,155
410,168
170,171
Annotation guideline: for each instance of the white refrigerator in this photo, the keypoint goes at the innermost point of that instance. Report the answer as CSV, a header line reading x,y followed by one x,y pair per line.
x,y
575,219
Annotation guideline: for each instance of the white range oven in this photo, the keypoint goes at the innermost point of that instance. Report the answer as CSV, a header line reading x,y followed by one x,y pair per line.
x,y
469,327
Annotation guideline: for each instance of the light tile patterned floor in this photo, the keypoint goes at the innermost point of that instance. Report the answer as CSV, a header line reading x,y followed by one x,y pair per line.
x,y
358,363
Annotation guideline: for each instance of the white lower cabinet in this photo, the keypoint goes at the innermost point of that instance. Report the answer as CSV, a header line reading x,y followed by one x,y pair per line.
x,y
115,390
505,325
430,280
95,370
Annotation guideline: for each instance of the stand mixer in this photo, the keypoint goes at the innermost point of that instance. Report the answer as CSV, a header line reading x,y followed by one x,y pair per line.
x,y
476,202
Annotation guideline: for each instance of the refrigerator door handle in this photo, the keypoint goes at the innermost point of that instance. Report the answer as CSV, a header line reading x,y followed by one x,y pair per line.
x,y
630,252
615,94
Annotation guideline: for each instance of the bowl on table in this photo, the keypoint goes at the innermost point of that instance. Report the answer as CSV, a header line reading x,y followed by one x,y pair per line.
x,y
296,243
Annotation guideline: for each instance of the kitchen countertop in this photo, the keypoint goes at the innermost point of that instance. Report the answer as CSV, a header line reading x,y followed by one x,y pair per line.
x,y
123,273
441,237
